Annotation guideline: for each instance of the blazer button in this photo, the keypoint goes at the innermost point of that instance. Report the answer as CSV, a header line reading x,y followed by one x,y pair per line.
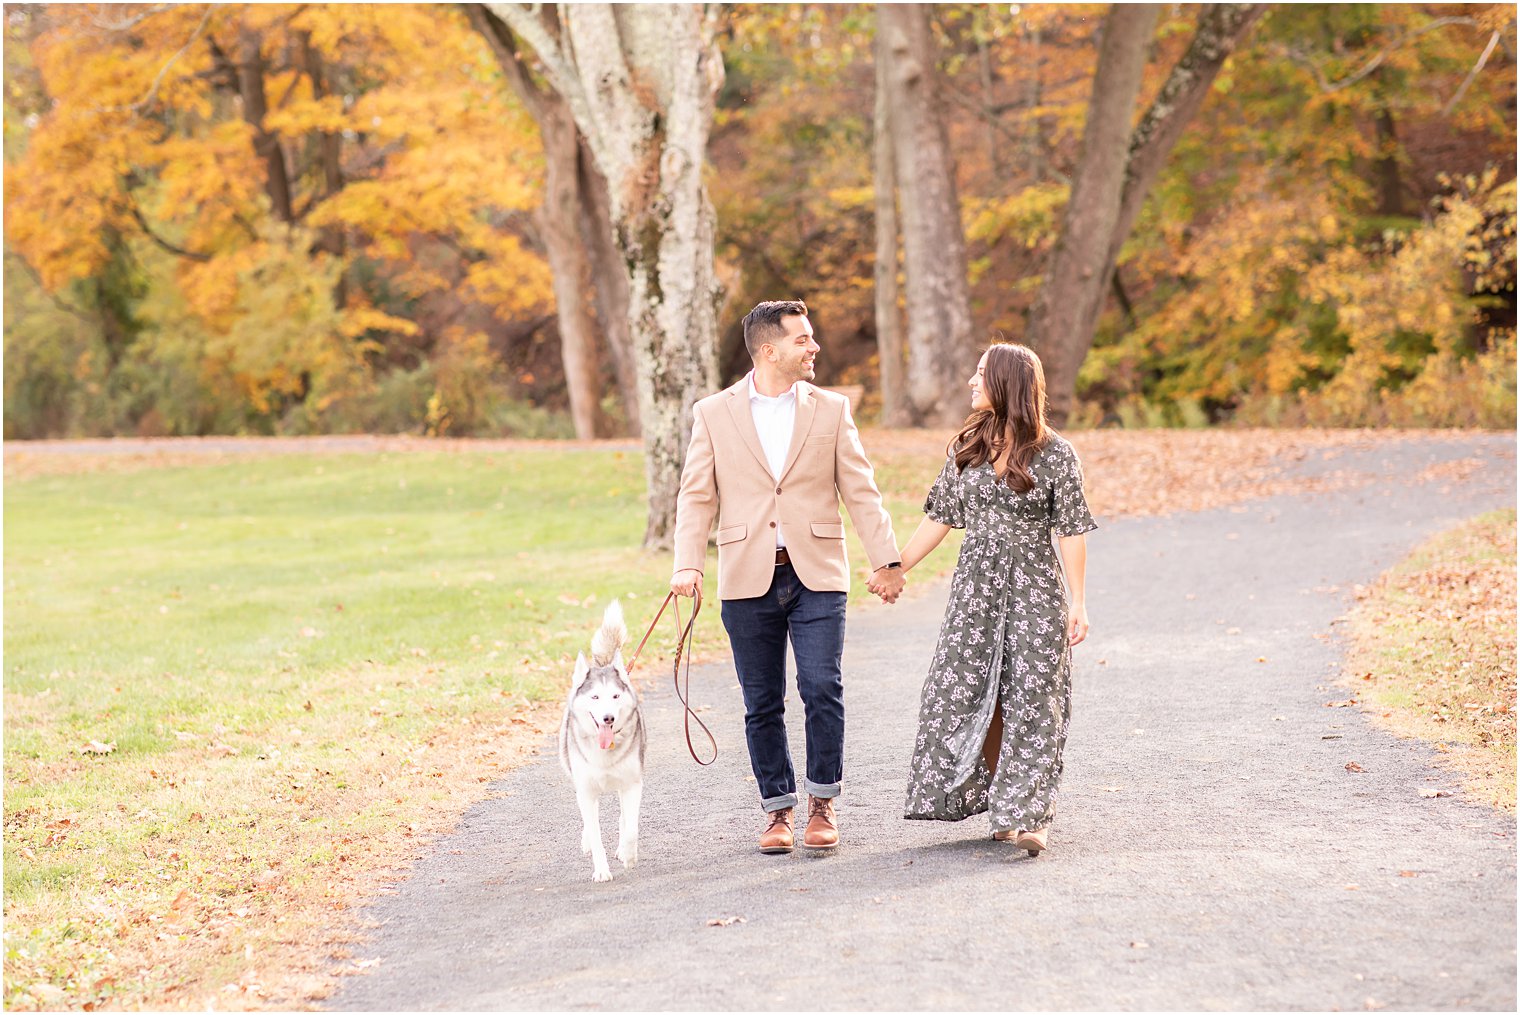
x,y
773,525
778,489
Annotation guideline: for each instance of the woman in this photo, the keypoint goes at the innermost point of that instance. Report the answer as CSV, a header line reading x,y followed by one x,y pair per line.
x,y
995,707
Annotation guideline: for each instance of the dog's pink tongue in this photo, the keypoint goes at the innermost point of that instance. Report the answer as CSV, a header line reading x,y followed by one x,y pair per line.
x,y
604,737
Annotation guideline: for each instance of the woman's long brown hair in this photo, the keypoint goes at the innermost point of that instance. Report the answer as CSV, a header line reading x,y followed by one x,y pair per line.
x,y
1014,382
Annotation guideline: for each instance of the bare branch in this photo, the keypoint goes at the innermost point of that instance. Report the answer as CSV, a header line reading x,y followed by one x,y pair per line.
x,y
142,222
1493,40
53,298
1329,87
130,23
152,96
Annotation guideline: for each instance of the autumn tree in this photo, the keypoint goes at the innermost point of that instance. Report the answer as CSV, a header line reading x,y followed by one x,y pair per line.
x,y
590,296
1115,172
640,82
228,159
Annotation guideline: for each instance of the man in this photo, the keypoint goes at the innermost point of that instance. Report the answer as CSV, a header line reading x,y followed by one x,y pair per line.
x,y
773,456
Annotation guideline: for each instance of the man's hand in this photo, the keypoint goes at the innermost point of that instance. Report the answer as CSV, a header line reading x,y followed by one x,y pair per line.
x,y
687,582
887,582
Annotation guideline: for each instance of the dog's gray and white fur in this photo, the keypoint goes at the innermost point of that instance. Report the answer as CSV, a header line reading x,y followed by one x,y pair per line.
x,y
601,743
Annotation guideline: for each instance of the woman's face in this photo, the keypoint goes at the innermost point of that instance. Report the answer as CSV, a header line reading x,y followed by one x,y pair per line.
x,y
979,400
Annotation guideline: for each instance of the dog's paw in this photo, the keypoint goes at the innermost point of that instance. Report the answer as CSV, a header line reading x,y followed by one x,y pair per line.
x,y
628,852
601,874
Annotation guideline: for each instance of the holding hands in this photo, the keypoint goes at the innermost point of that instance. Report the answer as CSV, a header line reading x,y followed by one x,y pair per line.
x,y
887,583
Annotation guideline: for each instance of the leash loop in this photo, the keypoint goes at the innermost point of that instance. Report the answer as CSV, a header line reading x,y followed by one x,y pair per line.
x,y
685,638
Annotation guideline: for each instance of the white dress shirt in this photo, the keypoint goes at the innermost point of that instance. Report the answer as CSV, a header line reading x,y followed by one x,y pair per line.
x,y
774,420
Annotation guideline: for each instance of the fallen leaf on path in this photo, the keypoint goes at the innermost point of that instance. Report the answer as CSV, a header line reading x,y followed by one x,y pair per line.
x,y
1352,766
1430,794
1409,874
1341,704
1139,944
724,921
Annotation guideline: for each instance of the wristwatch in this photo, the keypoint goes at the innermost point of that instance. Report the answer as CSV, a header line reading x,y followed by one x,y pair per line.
x,y
895,563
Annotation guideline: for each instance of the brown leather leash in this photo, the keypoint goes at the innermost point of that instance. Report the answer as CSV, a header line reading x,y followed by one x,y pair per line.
x,y
685,636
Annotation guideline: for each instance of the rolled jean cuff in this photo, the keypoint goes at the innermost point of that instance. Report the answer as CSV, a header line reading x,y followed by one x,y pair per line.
x,y
777,803
820,790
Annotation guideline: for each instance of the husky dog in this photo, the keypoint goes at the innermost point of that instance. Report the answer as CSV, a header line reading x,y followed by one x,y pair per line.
x,y
601,743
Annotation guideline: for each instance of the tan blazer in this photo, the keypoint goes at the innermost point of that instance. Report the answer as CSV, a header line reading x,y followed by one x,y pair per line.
x,y
726,474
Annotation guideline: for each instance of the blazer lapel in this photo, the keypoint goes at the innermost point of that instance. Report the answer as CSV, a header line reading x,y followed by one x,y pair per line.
x,y
806,406
744,420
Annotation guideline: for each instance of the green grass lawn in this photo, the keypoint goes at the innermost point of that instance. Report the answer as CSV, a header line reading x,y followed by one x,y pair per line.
x,y
273,646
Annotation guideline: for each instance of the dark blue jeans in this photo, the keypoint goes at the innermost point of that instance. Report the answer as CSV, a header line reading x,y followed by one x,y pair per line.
x,y
758,630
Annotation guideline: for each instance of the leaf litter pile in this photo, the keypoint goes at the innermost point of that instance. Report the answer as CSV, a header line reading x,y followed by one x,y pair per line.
x,y
1433,652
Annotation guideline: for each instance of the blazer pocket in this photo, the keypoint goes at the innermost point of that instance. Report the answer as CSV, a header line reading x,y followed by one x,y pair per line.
x,y
732,533
823,438
828,530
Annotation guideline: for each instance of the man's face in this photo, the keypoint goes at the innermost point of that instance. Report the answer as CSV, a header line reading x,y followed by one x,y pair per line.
x,y
795,350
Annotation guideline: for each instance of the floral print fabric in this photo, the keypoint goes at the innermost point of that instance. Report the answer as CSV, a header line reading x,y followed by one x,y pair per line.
x,y
1003,639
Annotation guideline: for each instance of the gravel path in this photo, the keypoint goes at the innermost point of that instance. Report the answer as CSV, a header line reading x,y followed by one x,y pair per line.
x,y
1210,851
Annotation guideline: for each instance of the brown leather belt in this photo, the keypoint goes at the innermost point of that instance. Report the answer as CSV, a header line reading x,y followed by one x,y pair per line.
x,y
782,558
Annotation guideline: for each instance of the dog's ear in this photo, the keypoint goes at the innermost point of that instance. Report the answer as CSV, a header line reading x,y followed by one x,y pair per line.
x,y
581,669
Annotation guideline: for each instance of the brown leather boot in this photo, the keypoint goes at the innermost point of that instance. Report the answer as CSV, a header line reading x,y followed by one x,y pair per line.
x,y
821,832
777,837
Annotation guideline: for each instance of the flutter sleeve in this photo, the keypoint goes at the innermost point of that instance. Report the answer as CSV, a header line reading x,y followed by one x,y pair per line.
x,y
945,503
1069,504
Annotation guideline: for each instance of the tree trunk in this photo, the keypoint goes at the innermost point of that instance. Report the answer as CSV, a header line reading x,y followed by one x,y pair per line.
x,y
941,346
611,283
250,81
560,222
640,81
889,328
1081,272
1390,186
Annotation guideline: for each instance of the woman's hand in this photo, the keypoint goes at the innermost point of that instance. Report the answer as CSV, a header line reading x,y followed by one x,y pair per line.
x,y
1076,624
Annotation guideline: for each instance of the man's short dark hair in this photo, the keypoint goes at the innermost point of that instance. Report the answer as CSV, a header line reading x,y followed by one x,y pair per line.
x,y
763,324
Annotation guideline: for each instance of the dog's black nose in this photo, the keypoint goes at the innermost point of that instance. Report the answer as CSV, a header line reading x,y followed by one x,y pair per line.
x,y
606,720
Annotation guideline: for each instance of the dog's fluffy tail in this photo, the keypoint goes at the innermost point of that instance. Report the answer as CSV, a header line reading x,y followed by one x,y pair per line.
x,y
610,636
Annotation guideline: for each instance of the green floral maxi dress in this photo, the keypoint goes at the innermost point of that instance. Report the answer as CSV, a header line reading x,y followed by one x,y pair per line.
x,y
1003,639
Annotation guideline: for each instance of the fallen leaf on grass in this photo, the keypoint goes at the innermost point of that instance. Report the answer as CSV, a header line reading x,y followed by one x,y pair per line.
x,y
96,747
221,751
1352,766
724,921
183,899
